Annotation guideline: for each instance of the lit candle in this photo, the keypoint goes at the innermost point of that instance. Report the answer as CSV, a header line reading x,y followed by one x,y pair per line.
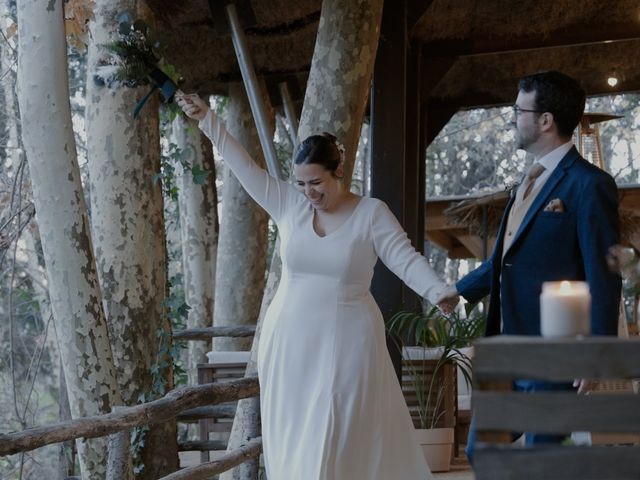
x,y
565,309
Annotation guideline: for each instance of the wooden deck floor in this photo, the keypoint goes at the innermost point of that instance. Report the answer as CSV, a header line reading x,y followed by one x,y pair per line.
x,y
459,470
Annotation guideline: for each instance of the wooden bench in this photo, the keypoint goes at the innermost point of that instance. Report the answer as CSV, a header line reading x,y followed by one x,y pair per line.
x,y
502,359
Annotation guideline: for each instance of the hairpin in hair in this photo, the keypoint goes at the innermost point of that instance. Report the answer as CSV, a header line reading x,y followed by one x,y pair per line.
x,y
340,148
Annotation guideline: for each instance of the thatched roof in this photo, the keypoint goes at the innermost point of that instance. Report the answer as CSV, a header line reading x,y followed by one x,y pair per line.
x,y
496,41
473,51
458,224
280,34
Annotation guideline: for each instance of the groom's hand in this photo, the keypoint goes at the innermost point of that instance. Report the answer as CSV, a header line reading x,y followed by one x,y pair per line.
x,y
448,299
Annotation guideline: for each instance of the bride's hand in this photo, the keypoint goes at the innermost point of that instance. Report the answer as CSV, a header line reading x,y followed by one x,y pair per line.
x,y
448,300
192,105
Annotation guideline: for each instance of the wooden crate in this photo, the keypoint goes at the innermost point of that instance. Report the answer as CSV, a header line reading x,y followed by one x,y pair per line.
x,y
503,359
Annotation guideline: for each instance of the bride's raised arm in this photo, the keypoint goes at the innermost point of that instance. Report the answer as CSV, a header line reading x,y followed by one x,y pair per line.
x,y
274,195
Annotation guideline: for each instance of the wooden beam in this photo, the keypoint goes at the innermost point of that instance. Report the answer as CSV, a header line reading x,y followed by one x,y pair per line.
x,y
492,80
434,69
416,10
388,138
473,243
437,116
576,35
441,239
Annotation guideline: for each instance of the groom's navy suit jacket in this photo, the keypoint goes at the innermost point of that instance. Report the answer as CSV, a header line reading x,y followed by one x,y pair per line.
x,y
551,246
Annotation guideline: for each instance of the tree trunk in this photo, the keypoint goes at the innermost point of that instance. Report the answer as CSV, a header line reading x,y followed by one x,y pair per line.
x,y
66,454
341,70
129,237
199,232
246,423
64,228
334,102
9,124
242,246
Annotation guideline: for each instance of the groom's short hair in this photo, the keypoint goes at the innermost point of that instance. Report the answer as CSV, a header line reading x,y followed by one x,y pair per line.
x,y
558,94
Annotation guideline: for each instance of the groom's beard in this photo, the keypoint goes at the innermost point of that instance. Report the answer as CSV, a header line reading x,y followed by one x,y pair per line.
x,y
524,140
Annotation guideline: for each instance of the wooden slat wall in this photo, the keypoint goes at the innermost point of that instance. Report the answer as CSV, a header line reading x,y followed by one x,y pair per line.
x,y
446,382
507,358
557,463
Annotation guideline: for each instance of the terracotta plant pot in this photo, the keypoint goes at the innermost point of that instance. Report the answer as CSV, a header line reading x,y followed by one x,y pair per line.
x,y
437,446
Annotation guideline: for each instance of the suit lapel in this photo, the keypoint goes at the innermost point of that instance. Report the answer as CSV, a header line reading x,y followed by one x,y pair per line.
x,y
556,176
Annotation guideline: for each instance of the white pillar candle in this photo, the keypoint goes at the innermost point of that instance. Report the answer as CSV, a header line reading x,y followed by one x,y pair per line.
x,y
565,309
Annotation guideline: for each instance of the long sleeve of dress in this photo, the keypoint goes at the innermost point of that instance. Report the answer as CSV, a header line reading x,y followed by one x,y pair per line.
x,y
272,194
393,247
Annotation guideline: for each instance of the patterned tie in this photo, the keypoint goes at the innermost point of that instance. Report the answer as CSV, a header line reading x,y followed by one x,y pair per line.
x,y
534,172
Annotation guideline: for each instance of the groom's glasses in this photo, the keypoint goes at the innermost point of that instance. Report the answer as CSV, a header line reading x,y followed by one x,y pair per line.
x,y
517,110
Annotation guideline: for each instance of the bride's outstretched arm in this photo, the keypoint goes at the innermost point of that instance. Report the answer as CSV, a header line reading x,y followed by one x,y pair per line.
x,y
272,194
395,250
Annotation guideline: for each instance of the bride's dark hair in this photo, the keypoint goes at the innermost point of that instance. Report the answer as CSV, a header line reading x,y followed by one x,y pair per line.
x,y
320,149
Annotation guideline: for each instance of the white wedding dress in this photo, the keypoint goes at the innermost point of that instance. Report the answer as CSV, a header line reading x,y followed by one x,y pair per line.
x,y
331,404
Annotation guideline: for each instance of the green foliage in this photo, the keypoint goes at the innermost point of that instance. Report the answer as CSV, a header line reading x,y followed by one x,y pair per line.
x,y
177,313
169,161
443,337
432,329
199,174
132,56
168,356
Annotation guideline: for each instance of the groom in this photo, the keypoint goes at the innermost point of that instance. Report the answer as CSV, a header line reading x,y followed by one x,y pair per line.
x,y
559,225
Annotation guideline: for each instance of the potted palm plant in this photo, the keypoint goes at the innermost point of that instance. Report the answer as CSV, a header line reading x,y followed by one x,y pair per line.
x,y
430,368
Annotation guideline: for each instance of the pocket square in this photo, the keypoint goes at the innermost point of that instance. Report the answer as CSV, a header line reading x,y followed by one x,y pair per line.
x,y
555,205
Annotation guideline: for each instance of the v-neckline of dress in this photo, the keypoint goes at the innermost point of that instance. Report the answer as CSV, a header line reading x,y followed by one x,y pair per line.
x,y
347,220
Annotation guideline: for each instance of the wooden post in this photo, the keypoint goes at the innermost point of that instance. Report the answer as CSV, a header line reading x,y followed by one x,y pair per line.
x,y
397,173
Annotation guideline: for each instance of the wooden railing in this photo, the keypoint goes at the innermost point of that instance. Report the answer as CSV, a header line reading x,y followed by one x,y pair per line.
x,y
207,333
185,404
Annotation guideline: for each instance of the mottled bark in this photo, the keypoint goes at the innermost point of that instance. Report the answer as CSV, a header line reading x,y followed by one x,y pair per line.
x,y
32,251
66,454
341,70
64,228
246,424
10,151
119,465
242,245
199,236
128,231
